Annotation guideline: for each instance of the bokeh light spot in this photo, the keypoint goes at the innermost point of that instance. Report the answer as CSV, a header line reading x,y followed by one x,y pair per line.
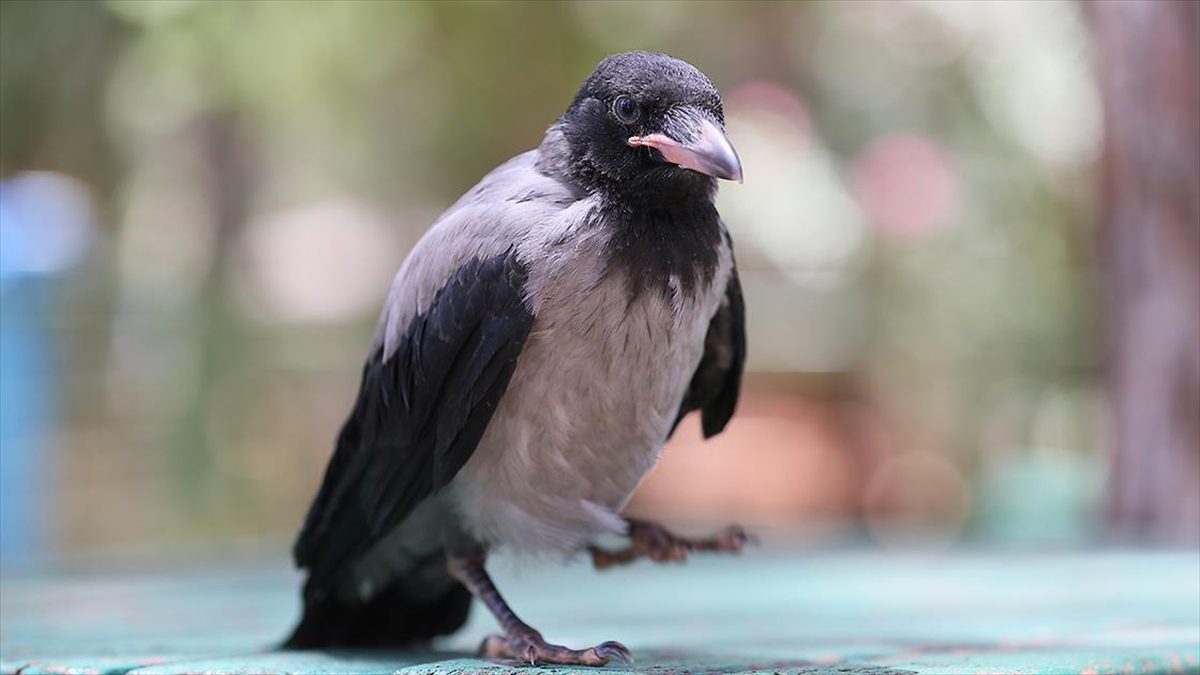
x,y
907,185
325,262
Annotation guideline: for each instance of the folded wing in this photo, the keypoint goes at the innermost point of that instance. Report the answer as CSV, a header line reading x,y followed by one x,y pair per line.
x,y
421,410
715,386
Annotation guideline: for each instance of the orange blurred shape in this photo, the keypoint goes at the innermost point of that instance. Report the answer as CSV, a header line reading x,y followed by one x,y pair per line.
x,y
776,463
916,498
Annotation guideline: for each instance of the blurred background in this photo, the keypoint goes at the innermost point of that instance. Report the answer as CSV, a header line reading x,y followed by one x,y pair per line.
x,y
969,237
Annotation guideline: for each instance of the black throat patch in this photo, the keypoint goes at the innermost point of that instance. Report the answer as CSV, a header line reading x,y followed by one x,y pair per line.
x,y
652,246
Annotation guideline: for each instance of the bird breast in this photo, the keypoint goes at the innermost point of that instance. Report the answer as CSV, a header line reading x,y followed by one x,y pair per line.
x,y
592,399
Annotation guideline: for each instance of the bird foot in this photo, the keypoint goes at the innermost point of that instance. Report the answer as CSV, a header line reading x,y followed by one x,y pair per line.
x,y
532,649
651,540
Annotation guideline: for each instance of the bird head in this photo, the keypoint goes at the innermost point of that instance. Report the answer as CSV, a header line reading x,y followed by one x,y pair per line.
x,y
649,123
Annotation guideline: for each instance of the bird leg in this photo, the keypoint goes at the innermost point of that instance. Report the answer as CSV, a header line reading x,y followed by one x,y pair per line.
x,y
520,640
651,540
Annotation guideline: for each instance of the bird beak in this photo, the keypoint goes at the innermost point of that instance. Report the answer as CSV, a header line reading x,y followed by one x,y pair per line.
x,y
693,141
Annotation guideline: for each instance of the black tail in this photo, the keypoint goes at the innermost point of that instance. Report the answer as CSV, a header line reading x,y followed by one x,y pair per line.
x,y
391,618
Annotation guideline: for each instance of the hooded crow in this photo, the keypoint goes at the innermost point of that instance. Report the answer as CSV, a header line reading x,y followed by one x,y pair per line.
x,y
537,348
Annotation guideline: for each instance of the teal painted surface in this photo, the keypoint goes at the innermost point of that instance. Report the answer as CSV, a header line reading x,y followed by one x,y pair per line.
x,y
766,612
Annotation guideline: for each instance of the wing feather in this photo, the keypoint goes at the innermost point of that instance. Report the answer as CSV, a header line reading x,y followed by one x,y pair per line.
x,y
717,382
420,413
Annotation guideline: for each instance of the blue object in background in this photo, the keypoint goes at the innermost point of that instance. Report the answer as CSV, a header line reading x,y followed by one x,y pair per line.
x,y
46,228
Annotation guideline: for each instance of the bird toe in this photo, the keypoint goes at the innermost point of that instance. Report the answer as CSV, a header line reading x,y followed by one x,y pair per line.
x,y
613,650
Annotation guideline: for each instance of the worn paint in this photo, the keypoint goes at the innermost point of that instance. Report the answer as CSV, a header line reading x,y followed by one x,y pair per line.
x,y
766,612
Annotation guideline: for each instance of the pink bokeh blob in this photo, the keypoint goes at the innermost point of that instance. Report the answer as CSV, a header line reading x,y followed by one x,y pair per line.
x,y
907,185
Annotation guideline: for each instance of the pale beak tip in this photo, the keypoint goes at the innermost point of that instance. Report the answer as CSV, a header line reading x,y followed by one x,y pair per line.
x,y
735,173
729,170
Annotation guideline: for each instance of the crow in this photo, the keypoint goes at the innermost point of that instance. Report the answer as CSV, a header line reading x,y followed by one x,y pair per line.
x,y
537,348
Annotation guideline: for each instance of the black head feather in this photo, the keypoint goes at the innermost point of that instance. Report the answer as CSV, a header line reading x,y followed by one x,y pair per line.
x,y
597,132
665,226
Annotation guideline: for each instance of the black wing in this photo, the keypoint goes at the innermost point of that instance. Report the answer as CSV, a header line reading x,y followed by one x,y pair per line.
x,y
718,379
419,414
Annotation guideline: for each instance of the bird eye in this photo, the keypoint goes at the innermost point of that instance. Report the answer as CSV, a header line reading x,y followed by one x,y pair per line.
x,y
626,110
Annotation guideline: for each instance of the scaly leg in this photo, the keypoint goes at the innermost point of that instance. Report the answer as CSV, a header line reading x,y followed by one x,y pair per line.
x,y
520,640
651,540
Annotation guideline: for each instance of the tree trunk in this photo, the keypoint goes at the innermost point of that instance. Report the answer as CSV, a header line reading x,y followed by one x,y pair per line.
x,y
1148,72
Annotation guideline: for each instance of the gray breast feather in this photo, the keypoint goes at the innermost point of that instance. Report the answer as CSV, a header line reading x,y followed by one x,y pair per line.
x,y
596,391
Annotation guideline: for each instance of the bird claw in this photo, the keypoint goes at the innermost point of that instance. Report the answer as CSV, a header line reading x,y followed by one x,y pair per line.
x,y
651,540
532,649
663,545
732,539
613,650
